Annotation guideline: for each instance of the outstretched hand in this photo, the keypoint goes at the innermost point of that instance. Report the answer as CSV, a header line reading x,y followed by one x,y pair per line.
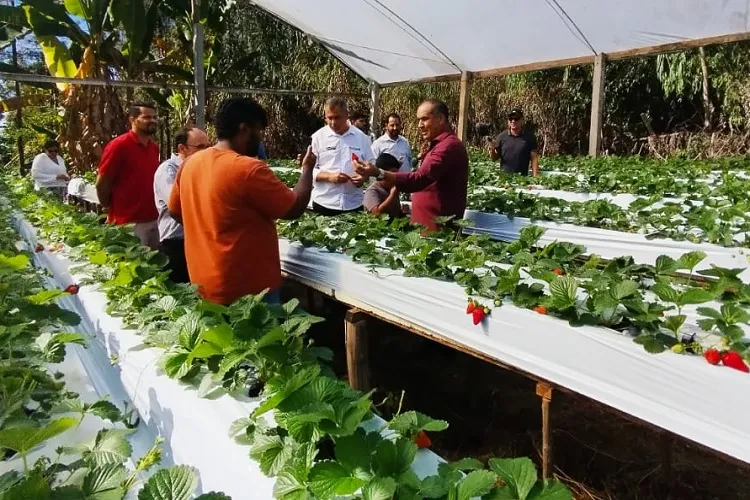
x,y
365,169
309,160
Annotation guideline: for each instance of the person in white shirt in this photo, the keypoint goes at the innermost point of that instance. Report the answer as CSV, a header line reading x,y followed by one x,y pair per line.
x,y
48,170
188,141
337,188
393,143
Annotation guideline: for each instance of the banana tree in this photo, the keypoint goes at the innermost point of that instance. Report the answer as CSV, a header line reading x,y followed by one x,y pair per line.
x,y
99,39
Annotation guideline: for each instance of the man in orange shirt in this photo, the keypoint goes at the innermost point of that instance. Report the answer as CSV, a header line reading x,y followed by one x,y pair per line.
x,y
228,203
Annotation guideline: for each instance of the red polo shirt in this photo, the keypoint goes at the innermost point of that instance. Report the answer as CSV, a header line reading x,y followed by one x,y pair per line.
x,y
132,165
439,186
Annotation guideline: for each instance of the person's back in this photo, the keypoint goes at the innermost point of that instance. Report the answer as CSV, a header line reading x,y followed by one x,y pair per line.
x,y
229,204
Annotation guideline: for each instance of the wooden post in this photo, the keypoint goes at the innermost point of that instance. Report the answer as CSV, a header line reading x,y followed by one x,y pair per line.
x,y
544,391
200,84
463,106
357,360
375,109
597,107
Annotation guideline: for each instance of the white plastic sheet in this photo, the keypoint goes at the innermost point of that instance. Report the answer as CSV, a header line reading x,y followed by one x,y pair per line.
x,y
682,394
395,41
609,244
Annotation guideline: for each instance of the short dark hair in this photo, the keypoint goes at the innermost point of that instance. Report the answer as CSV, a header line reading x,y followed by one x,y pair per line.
x,y
337,103
438,107
356,115
51,143
134,111
235,111
387,161
181,137
392,115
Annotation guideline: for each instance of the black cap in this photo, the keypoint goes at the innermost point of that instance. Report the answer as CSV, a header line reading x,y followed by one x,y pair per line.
x,y
515,113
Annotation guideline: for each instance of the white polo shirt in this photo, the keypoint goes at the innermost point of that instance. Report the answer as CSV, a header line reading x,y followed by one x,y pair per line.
x,y
334,153
398,147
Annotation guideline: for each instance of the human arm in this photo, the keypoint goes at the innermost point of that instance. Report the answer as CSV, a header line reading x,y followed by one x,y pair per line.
x,y
109,166
174,204
303,188
372,200
494,148
534,163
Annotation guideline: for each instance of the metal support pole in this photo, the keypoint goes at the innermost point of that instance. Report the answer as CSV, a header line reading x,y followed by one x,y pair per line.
x,y
597,106
19,110
375,109
544,391
200,83
463,106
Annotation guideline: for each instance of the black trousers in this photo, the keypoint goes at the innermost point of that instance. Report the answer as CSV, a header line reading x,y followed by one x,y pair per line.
x,y
321,210
174,249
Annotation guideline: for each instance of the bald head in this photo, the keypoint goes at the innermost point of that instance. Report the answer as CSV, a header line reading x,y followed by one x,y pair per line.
x,y
190,140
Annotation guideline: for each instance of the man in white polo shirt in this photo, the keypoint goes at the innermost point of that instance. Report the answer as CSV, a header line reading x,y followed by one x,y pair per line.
x,y
337,188
393,143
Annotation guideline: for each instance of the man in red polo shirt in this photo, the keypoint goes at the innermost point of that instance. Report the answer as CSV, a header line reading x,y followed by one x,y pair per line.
x,y
126,176
439,186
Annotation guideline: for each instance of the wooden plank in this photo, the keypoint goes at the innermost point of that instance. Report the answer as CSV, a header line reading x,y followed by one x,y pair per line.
x,y
375,109
357,347
679,46
597,106
463,106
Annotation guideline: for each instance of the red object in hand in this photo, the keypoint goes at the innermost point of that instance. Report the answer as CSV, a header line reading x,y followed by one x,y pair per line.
x,y
72,289
422,440
38,247
734,360
712,356
355,157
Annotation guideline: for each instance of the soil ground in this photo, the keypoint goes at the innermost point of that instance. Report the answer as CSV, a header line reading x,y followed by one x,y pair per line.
x,y
494,412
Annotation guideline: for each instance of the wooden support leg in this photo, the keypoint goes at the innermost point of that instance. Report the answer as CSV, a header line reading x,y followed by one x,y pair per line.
x,y
544,391
665,441
357,360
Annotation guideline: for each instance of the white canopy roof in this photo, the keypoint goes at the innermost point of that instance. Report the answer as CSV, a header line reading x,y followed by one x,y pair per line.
x,y
390,41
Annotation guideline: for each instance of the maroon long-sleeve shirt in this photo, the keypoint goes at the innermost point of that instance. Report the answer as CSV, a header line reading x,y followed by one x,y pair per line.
x,y
439,186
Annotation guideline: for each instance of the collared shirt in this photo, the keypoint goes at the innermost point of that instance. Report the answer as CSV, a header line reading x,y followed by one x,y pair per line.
x,y
131,165
334,154
398,147
169,229
515,151
439,185
44,171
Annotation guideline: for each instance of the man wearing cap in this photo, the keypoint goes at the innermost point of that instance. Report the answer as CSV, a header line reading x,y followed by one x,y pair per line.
x,y
515,147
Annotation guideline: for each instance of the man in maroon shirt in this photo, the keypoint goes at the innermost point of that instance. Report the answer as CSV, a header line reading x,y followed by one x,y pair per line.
x,y
125,184
439,186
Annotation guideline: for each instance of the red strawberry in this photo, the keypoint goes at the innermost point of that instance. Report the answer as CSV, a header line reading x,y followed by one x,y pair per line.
x,y
540,309
38,247
422,440
734,360
355,157
72,289
712,356
558,271
470,307
477,315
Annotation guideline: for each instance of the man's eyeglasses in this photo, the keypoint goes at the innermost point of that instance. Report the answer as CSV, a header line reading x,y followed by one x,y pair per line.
x,y
513,119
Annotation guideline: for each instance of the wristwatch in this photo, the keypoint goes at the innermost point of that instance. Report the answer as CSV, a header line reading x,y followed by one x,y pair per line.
x,y
381,174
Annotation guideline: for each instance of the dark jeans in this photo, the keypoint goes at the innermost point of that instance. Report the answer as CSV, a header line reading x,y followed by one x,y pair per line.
x,y
174,249
329,212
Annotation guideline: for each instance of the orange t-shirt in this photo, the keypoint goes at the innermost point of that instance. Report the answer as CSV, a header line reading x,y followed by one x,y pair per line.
x,y
228,205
